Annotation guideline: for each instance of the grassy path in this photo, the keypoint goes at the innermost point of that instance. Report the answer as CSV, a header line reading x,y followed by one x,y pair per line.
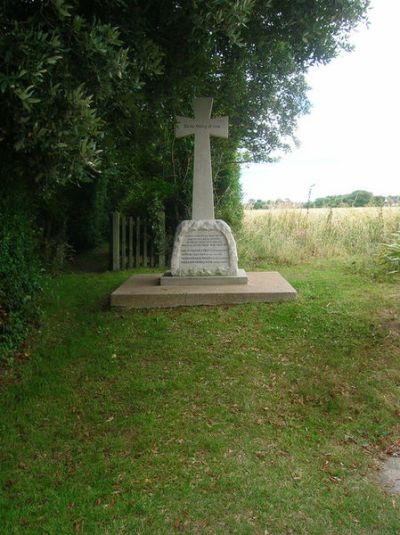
x,y
250,419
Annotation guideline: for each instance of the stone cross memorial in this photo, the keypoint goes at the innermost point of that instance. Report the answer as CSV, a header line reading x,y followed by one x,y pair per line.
x,y
204,248
204,264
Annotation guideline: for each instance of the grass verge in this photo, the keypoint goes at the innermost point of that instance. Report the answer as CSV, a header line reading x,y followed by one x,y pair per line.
x,y
249,419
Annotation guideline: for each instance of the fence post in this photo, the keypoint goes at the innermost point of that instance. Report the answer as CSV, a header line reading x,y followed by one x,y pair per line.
x,y
162,240
145,244
110,241
137,259
130,242
152,252
116,265
123,242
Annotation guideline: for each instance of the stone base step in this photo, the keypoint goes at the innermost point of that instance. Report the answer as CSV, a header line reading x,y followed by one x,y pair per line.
x,y
145,291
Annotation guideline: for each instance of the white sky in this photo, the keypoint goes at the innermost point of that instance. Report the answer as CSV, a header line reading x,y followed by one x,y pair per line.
x,y
350,139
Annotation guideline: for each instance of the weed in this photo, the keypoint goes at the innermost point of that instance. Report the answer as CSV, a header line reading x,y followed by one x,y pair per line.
x,y
390,254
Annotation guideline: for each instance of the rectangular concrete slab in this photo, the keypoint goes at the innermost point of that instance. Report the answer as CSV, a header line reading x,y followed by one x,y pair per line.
x,y
145,291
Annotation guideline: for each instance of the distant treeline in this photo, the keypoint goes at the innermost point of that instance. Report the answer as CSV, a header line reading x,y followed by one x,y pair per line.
x,y
357,198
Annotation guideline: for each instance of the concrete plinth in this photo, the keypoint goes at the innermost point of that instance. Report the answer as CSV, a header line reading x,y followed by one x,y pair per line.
x,y
145,291
218,280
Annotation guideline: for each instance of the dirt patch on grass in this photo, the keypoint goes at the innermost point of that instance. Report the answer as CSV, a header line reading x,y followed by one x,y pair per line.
x,y
389,475
394,327
390,320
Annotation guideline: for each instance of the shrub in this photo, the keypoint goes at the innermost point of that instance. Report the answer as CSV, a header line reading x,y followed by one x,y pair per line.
x,y
20,274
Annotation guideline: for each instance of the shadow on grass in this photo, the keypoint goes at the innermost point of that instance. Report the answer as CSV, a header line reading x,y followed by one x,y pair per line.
x,y
95,261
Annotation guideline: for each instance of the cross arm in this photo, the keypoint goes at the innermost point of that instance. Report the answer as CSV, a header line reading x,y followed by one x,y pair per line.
x,y
184,127
219,127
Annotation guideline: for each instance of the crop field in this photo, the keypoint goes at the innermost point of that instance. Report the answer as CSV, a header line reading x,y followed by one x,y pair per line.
x,y
292,236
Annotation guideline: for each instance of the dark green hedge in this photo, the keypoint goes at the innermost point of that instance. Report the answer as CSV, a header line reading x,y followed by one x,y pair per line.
x,y
20,271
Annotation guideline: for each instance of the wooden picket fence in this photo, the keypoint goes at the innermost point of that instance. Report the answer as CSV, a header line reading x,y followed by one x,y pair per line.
x,y
133,243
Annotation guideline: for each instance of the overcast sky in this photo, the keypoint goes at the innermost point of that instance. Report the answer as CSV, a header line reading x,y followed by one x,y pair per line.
x,y
350,140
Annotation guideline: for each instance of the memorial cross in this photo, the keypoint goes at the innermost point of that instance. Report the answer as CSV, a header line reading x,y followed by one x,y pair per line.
x,y
202,126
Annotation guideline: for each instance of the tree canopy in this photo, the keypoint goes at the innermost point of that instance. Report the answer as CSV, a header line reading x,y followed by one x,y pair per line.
x,y
91,88
358,198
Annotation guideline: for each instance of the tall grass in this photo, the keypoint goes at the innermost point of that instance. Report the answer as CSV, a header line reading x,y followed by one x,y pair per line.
x,y
291,236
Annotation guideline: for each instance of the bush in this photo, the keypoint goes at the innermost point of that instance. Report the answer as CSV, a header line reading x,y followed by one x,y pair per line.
x,y
20,274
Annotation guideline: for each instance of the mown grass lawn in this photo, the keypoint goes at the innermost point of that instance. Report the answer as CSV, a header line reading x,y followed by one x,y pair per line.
x,y
249,419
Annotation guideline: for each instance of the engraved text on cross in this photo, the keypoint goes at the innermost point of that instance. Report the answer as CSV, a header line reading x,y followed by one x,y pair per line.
x,y
202,126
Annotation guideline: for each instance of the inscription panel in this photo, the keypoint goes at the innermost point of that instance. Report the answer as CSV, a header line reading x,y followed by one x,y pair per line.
x,y
197,126
204,248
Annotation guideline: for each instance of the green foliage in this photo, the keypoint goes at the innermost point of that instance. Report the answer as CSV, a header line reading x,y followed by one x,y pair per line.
x,y
357,198
65,74
390,254
49,121
228,192
260,205
20,272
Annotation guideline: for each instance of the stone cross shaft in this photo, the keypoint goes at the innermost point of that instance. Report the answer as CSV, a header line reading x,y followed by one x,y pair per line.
x,y
202,126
